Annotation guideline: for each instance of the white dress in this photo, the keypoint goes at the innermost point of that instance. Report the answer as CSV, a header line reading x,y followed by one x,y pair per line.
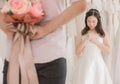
x,y
90,66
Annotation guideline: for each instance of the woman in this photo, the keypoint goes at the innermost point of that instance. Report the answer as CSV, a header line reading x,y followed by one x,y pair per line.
x,y
49,43
90,66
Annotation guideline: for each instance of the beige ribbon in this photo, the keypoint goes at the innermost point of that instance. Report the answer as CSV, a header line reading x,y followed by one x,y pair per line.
x,y
21,59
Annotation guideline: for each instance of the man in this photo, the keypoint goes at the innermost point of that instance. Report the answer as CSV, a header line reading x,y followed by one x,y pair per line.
x,y
49,43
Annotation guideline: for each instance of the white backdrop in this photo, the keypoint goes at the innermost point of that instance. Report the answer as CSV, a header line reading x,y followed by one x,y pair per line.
x,y
110,12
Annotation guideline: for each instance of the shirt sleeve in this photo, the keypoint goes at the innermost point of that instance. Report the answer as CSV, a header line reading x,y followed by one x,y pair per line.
x,y
2,3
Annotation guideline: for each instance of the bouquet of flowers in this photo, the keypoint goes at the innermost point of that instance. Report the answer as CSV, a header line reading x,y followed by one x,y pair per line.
x,y
21,16
23,10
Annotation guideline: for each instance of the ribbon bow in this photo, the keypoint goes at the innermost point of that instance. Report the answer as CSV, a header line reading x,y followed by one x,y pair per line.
x,y
21,59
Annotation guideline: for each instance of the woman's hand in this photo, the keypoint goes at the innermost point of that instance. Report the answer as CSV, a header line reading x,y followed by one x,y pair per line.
x,y
91,37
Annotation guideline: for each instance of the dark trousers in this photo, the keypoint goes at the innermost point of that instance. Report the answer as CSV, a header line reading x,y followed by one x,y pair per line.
x,y
48,73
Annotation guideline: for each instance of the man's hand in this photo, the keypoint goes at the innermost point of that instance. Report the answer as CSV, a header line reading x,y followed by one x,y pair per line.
x,y
39,33
28,18
8,31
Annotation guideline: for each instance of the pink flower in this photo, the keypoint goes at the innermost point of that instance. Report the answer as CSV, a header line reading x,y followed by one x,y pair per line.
x,y
20,6
36,10
30,10
17,6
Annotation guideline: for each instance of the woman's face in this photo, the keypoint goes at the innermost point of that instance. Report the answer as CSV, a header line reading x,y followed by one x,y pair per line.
x,y
92,22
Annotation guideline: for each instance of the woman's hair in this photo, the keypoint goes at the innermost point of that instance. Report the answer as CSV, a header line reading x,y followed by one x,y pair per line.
x,y
98,28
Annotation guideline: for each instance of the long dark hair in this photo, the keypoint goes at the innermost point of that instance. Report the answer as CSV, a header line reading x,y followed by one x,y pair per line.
x,y
98,28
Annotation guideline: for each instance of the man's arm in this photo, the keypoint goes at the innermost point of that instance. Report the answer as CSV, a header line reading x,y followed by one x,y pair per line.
x,y
75,9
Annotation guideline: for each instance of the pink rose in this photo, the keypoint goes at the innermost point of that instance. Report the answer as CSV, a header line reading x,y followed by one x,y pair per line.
x,y
36,10
19,6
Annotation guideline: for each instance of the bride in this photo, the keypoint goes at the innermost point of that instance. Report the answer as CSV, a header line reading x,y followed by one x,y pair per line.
x,y
90,66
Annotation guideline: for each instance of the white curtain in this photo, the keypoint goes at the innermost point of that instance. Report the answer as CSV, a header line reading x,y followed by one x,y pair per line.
x,y
117,55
